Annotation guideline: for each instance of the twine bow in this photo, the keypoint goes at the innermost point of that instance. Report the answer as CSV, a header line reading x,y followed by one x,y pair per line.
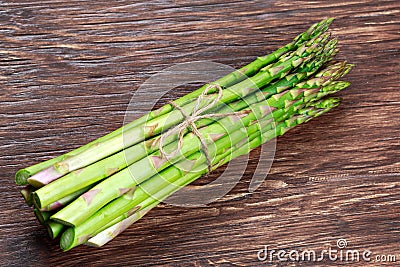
x,y
189,122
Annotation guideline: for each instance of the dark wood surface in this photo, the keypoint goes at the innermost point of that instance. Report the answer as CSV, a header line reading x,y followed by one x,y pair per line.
x,y
69,68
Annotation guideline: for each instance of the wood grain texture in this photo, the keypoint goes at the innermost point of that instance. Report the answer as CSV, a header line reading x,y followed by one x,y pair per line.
x,y
68,70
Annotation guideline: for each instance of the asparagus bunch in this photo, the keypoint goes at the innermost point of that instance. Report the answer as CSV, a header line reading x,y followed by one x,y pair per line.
x,y
93,193
104,168
54,168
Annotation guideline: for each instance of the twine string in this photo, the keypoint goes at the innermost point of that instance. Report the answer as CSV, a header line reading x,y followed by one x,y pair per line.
x,y
190,120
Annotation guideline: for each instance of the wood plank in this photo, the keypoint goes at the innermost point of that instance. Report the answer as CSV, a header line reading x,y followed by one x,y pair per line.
x,y
69,68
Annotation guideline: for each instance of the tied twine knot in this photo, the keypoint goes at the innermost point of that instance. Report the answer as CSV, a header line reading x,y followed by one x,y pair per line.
x,y
190,119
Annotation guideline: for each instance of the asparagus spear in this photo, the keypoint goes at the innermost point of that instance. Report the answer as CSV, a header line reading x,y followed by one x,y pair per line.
x,y
230,79
155,126
109,189
78,235
108,166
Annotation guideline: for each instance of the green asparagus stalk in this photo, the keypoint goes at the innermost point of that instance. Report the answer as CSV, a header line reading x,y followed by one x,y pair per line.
x,y
232,78
164,122
78,235
108,166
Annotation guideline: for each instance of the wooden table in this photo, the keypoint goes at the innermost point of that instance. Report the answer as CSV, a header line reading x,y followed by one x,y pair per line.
x,y
68,70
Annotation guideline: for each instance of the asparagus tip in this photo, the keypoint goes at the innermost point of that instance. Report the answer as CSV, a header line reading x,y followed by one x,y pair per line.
x,y
328,103
330,20
325,23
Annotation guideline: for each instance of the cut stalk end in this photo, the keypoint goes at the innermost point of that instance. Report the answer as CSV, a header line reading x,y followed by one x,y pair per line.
x,y
36,200
54,229
35,183
42,217
21,177
67,239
